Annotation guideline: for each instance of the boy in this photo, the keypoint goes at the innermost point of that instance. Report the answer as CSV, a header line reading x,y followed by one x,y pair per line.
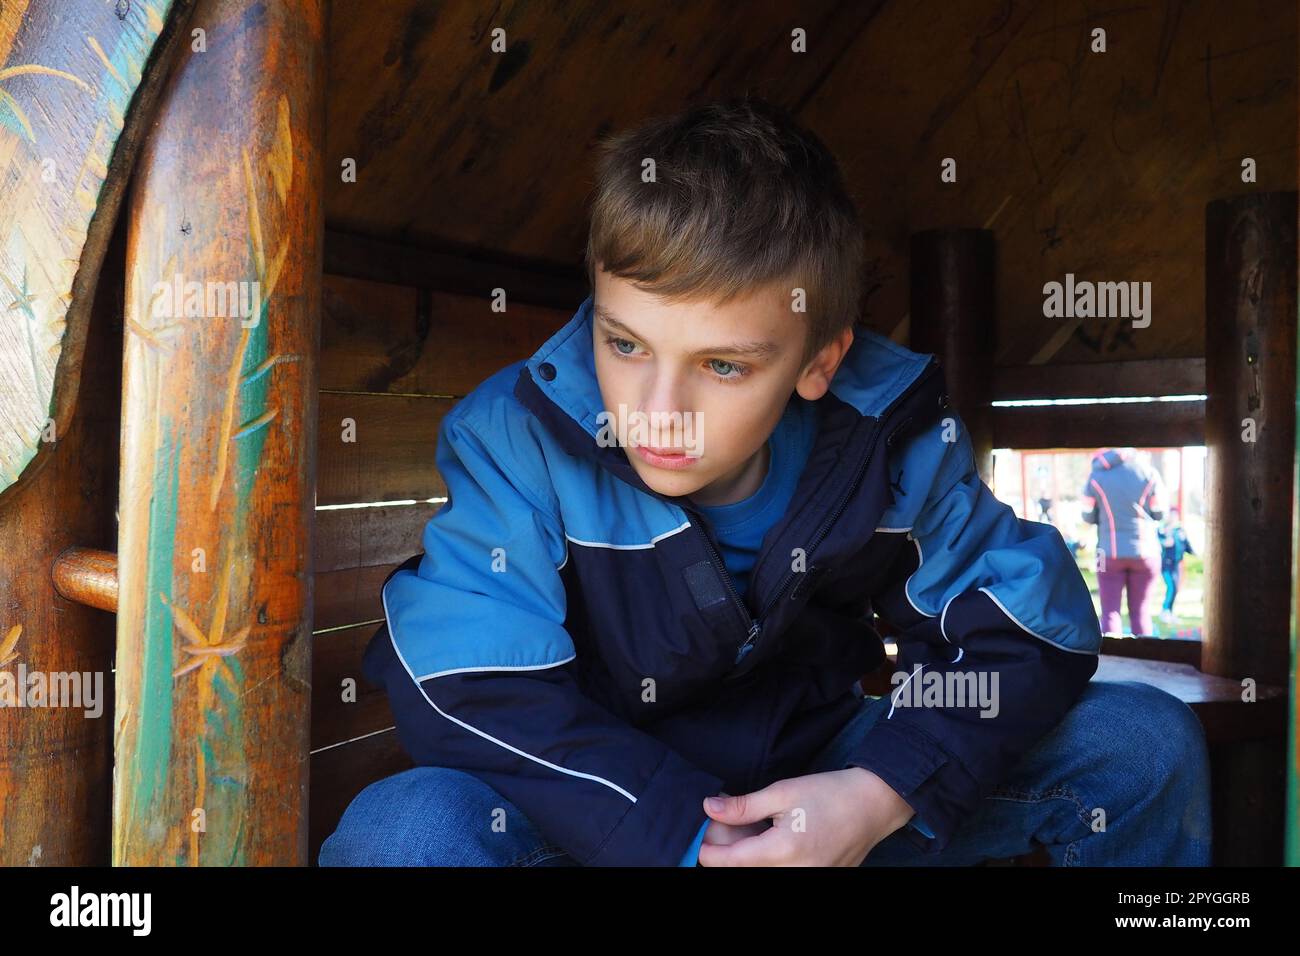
x,y
666,535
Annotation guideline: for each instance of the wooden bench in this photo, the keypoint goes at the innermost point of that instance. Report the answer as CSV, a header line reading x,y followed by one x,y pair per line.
x,y
1238,733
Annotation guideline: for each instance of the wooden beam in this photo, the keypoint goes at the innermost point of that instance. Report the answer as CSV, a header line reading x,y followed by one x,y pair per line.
x,y
87,576
377,337
1159,424
219,449
952,315
388,454
524,280
1152,377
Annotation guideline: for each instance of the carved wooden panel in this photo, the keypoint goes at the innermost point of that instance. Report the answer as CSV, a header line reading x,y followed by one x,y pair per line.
x,y
76,79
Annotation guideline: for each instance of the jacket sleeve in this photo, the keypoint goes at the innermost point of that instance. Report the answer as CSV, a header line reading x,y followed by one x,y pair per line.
x,y
993,612
479,630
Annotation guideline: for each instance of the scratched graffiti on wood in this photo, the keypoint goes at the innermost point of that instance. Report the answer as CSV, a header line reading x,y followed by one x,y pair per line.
x,y
69,75
213,625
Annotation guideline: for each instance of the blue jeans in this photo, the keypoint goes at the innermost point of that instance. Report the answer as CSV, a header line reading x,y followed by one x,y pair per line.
x,y
1122,780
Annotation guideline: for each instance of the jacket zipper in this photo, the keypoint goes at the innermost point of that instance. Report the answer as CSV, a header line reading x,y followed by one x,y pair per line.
x,y
826,525
751,623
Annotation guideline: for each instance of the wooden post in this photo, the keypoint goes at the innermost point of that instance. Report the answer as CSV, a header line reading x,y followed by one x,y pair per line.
x,y
952,315
218,451
78,83
1250,383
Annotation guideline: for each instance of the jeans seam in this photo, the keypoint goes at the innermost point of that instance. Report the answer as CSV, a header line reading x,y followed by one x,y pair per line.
x,y
541,853
1052,793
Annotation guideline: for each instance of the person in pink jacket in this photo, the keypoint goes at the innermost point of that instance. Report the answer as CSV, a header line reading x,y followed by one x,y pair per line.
x,y
1124,498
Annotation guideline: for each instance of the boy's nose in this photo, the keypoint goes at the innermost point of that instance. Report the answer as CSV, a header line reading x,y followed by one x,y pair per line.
x,y
668,416
664,397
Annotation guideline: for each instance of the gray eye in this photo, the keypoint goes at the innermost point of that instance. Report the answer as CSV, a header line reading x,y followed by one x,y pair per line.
x,y
725,371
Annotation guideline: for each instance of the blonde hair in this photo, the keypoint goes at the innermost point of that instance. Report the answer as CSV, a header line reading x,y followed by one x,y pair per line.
x,y
741,197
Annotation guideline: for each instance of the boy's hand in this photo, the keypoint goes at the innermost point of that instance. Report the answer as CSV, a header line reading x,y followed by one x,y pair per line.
x,y
725,834
821,819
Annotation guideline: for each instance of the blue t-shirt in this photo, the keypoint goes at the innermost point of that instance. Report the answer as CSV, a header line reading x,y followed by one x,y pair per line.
x,y
741,525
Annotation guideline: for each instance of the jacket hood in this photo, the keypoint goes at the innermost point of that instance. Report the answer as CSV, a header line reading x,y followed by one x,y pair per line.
x,y
1106,459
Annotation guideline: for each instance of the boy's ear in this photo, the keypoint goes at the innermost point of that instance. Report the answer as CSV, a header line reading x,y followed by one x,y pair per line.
x,y
815,380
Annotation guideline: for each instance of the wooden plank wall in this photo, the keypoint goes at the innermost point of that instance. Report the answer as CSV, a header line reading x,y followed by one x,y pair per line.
x,y
394,359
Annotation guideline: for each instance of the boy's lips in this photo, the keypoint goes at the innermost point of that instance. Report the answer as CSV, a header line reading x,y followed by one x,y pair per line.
x,y
665,457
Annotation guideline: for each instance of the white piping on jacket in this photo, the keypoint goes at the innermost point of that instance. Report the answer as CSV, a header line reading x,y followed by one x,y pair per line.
x,y
630,547
920,560
486,736
992,597
1061,647
478,670
944,614
894,699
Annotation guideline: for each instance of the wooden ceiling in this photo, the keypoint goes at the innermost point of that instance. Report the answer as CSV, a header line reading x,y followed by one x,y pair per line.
x,y
1099,164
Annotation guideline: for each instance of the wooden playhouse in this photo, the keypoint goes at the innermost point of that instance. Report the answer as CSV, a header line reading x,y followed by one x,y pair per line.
x,y
201,508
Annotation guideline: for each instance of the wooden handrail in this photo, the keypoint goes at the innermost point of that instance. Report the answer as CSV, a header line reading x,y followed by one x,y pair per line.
x,y
87,576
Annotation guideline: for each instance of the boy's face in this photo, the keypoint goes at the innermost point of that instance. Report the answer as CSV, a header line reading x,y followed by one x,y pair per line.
x,y
727,371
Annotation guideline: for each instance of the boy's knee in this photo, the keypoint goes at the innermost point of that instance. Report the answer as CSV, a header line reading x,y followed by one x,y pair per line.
x,y
429,816
1175,744
419,817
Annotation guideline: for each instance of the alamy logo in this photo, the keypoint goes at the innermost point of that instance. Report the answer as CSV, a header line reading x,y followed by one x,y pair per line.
x,y
53,689
1098,300
947,690
658,430
102,909
204,300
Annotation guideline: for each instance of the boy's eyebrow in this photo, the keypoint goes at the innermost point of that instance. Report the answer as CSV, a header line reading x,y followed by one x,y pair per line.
x,y
755,349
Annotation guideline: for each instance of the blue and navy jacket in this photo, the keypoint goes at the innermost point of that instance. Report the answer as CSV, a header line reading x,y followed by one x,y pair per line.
x,y
572,638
